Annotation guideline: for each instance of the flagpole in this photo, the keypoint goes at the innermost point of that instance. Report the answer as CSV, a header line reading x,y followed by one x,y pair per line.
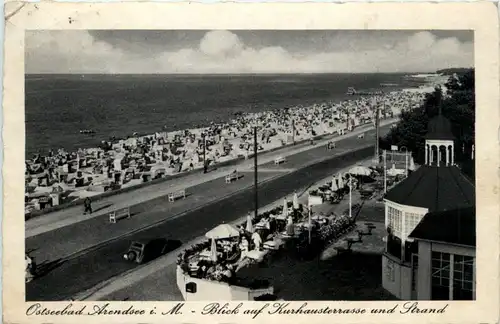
x,y
385,171
350,196
377,116
255,172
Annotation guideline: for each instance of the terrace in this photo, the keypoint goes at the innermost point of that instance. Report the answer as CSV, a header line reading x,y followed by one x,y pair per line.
x,y
280,251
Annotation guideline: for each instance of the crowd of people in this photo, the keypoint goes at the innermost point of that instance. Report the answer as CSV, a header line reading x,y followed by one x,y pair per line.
x,y
268,232
59,176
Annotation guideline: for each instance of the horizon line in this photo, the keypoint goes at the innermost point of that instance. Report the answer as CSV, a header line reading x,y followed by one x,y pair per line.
x,y
256,73
232,74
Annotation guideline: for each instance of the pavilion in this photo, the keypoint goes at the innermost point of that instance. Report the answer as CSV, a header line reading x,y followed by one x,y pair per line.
x,y
437,186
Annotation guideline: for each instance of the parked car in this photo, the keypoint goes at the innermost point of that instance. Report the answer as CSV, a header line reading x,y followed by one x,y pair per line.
x,y
147,250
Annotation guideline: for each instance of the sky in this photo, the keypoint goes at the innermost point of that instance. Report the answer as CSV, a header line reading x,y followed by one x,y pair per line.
x,y
245,51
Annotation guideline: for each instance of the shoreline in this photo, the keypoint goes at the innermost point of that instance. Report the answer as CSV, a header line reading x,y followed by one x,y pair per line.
x,y
423,88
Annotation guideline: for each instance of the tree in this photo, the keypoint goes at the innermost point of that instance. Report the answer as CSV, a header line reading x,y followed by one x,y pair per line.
x,y
458,105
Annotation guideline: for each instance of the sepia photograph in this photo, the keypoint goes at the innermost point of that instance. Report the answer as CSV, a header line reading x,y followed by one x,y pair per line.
x,y
309,163
250,165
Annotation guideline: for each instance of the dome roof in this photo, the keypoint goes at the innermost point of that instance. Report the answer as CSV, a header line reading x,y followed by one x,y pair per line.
x,y
439,128
437,189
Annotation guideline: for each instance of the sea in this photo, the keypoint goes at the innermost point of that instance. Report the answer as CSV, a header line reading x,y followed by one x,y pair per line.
x,y
57,107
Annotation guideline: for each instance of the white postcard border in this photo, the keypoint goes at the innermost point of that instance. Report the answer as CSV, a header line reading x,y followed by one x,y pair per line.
x,y
480,17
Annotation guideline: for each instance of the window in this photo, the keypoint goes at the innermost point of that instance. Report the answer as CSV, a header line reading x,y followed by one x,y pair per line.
x,y
440,276
463,277
395,221
411,221
452,276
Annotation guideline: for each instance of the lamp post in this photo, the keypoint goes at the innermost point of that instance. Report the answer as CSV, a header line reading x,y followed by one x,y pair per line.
x,y
377,117
292,121
203,135
350,196
309,212
256,196
385,171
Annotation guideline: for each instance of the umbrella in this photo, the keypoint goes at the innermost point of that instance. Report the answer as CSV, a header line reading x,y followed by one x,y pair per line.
x,y
334,185
213,251
249,227
295,201
341,181
360,170
222,231
285,208
412,164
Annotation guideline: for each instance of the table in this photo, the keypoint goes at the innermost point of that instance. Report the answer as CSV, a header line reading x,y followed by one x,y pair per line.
x,y
274,244
205,254
257,255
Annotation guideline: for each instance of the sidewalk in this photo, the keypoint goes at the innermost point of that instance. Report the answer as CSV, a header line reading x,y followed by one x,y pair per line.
x,y
72,215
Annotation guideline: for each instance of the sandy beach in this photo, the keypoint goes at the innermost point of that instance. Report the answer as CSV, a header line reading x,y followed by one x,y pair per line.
x,y
61,177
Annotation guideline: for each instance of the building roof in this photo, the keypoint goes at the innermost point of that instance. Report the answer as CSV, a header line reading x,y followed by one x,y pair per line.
x,y
456,226
439,128
434,188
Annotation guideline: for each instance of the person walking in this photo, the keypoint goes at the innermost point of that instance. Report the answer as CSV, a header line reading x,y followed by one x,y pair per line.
x,y
30,267
87,203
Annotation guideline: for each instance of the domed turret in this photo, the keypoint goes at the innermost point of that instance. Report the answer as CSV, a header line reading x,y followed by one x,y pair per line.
x,y
439,128
439,142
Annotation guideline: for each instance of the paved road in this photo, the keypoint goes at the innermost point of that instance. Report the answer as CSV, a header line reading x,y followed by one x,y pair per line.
x,y
65,277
